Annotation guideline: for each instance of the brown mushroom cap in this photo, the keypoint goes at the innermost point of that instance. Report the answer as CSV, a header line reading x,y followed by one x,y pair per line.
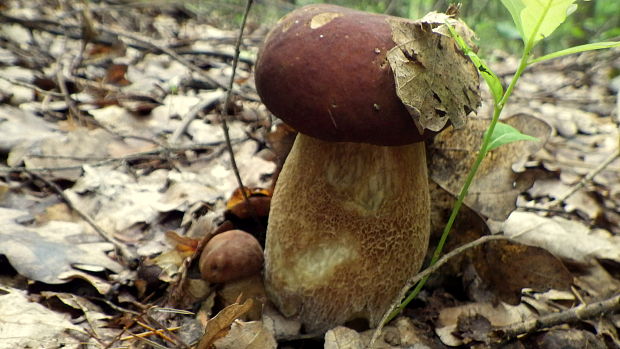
x,y
231,255
323,70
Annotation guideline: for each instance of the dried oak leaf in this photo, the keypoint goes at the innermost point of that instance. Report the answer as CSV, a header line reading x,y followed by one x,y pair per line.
x,y
496,186
507,267
26,324
434,80
51,252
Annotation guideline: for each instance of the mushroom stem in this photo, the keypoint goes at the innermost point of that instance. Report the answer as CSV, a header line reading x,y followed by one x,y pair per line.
x,y
349,223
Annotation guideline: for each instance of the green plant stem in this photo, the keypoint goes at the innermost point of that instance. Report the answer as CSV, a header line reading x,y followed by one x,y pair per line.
x,y
497,110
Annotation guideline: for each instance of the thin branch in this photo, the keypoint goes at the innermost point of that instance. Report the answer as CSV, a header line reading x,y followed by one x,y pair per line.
x,y
176,338
31,86
216,53
62,85
584,180
125,253
424,273
227,107
159,152
205,103
579,313
166,50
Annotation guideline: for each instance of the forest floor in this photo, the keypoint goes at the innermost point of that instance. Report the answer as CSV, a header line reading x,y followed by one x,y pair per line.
x,y
115,167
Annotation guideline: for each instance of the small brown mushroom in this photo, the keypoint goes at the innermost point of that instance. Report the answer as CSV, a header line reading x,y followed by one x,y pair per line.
x,y
349,219
229,256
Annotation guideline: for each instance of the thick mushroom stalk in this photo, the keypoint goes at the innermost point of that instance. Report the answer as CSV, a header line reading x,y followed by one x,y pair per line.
x,y
349,224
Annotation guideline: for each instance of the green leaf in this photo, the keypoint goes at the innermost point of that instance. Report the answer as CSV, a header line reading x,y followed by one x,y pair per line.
x,y
576,49
504,134
494,83
537,19
515,7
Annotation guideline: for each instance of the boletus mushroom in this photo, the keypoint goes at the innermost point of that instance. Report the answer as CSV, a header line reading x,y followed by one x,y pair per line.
x,y
349,218
230,256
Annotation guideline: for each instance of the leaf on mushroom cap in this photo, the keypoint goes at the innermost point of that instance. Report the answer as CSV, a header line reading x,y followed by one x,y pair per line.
x,y
434,80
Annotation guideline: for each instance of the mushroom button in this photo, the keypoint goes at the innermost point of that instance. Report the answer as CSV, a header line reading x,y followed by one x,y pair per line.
x,y
349,220
229,256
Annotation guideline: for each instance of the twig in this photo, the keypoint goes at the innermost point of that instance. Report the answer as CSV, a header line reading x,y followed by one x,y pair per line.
x,y
618,107
149,342
130,157
581,312
218,54
148,333
49,26
124,252
98,85
208,102
413,280
31,86
176,338
161,333
584,180
166,50
224,114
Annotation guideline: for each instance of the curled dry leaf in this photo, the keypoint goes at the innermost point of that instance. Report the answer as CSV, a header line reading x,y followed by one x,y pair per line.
x,y
237,197
219,326
426,58
259,199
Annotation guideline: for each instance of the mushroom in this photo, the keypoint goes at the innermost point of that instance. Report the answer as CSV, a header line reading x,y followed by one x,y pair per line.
x,y
229,256
349,219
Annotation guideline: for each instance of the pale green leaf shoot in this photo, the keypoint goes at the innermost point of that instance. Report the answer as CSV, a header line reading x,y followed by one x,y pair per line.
x,y
577,49
504,134
537,19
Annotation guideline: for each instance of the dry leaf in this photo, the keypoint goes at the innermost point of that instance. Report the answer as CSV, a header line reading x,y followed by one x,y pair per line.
x,y
342,338
49,253
115,74
566,338
496,186
578,242
247,335
13,123
434,80
237,197
507,267
31,325
71,149
281,326
500,315
219,326
251,287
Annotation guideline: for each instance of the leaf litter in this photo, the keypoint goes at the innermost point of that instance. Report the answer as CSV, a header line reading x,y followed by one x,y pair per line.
x,y
104,133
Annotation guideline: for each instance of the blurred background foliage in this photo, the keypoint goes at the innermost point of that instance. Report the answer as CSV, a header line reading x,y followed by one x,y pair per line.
x,y
594,20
